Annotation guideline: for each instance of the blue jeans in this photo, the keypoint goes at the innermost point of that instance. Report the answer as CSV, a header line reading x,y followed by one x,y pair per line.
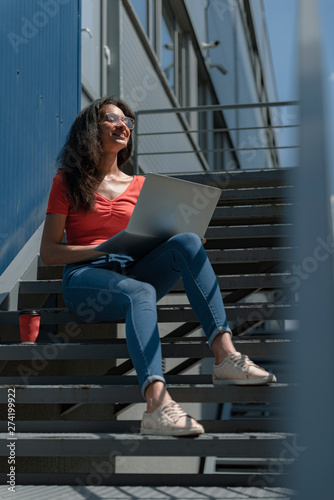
x,y
115,287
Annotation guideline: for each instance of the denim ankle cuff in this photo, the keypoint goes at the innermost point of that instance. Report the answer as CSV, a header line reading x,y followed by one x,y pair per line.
x,y
149,381
217,332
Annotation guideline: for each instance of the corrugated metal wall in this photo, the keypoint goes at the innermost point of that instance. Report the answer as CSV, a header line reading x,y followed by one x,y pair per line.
x,y
40,91
142,89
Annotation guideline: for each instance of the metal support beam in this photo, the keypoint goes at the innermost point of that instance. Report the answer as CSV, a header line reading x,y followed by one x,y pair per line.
x,y
314,405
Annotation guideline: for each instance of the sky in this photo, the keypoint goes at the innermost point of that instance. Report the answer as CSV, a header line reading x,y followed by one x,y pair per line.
x,y
283,42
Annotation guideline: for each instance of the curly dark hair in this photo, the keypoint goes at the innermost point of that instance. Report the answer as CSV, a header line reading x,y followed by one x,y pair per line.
x,y
79,158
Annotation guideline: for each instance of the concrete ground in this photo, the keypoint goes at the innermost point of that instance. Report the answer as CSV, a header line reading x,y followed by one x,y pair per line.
x,y
144,493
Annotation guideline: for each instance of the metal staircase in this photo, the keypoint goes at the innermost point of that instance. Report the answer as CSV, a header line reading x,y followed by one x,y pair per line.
x,y
71,387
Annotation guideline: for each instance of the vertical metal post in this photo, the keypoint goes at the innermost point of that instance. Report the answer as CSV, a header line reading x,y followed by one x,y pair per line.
x,y
157,14
105,64
314,404
114,39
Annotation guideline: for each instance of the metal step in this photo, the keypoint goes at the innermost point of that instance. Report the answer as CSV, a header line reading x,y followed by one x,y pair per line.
x,y
247,231
124,380
186,481
236,179
226,282
118,426
246,255
171,348
257,195
56,272
246,215
252,445
104,394
169,314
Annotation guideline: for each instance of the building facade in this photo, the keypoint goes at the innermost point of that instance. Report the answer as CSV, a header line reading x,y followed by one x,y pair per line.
x,y
165,53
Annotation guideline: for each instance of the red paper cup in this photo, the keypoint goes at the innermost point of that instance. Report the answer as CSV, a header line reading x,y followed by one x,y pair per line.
x,y
29,320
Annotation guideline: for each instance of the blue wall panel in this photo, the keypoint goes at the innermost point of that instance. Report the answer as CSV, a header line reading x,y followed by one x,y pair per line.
x,y
39,98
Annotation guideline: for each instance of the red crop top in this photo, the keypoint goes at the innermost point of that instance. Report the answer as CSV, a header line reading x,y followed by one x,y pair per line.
x,y
108,218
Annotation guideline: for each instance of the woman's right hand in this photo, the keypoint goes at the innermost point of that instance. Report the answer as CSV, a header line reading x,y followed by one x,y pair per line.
x,y
52,250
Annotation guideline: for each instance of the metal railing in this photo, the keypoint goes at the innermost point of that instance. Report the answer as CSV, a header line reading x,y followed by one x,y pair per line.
x,y
234,137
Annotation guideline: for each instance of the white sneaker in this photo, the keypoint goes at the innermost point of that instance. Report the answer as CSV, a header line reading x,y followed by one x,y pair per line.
x,y
170,420
238,369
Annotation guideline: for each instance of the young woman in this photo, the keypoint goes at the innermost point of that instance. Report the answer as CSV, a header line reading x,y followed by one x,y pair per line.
x,y
92,199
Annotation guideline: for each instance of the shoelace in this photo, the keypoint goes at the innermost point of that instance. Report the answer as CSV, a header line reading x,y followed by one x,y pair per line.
x,y
174,411
243,362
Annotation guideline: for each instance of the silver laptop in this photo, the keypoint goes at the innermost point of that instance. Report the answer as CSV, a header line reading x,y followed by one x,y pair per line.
x,y
165,207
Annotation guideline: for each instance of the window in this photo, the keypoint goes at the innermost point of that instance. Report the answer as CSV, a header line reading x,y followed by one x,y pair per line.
x,y
172,46
140,6
146,11
168,52
91,51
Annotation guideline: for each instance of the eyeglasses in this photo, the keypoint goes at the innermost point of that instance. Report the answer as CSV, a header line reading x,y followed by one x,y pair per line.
x,y
116,120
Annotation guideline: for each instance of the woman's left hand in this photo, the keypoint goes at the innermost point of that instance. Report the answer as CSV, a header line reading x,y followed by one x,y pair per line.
x,y
203,241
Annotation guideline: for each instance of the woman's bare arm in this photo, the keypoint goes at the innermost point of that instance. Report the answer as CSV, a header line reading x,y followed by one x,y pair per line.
x,y
53,252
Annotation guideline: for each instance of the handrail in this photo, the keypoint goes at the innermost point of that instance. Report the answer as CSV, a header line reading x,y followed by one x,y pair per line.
x,y
20,266
154,153
273,147
206,130
217,107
